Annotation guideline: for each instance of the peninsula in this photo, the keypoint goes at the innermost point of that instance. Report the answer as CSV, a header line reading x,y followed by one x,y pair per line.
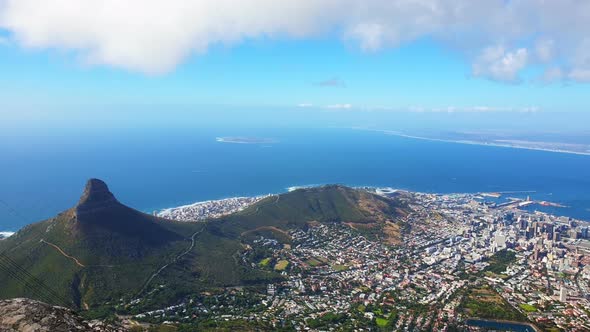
x,y
245,140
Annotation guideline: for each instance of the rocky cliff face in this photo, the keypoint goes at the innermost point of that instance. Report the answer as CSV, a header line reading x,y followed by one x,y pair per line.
x,y
33,316
96,197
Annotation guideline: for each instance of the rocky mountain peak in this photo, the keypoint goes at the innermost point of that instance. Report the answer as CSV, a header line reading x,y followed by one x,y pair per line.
x,y
96,196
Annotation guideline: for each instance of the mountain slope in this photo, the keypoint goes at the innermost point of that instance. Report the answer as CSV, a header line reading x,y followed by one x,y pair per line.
x,y
93,253
102,251
217,247
295,209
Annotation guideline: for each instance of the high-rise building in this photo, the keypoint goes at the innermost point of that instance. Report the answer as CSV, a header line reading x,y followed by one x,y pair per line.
x,y
548,228
562,294
522,223
584,231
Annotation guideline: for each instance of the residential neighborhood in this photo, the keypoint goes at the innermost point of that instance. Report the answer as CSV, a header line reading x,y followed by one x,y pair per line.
x,y
460,255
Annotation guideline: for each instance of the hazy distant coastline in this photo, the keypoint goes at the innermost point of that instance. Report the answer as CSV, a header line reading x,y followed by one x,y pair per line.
x,y
504,143
245,140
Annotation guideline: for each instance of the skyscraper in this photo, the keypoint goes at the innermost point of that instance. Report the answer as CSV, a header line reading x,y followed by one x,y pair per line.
x,y
562,294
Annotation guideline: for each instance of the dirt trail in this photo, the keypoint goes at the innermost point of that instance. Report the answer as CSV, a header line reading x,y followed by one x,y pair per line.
x,y
63,253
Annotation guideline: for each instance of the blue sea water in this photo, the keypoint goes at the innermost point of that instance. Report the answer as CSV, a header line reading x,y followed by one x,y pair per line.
x,y
44,174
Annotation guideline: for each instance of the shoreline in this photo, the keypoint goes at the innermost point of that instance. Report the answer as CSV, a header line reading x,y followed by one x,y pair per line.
x,y
6,234
468,142
209,201
245,140
168,207
379,190
203,210
387,189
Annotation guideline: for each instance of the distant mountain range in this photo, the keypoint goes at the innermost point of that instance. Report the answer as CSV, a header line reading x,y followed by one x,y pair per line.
x,y
552,142
103,253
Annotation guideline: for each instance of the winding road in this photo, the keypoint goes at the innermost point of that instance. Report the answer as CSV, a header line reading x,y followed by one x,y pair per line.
x,y
176,259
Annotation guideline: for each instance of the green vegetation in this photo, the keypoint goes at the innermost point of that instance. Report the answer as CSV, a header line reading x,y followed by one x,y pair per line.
x,y
500,261
264,262
385,321
327,320
314,262
92,259
381,322
297,208
216,325
281,265
340,267
484,302
527,307
119,249
268,232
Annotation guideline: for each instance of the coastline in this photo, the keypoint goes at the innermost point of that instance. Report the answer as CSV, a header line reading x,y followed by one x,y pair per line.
x,y
205,202
203,210
379,190
6,234
468,142
171,207
245,140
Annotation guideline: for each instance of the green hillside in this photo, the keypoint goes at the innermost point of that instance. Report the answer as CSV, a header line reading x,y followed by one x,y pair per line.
x,y
331,203
214,258
101,251
89,258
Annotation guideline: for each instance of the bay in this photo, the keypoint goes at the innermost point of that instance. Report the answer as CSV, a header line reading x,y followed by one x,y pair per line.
x,y
150,169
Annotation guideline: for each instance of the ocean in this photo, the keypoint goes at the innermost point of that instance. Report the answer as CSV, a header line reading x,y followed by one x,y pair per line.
x,y
44,174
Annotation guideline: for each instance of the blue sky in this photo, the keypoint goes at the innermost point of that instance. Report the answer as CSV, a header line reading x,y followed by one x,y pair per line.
x,y
56,66
420,74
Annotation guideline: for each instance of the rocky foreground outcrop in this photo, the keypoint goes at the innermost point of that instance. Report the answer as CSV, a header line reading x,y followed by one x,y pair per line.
x,y
33,316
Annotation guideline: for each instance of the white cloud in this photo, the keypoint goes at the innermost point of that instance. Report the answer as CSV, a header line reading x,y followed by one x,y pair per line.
x,y
497,63
305,105
580,70
339,106
545,50
530,109
445,109
475,109
579,74
552,74
332,82
154,36
369,35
